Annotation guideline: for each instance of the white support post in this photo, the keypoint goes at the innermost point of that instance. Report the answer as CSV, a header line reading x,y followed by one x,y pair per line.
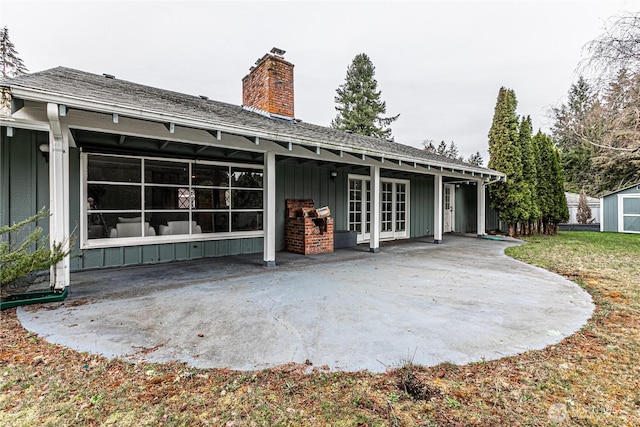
x,y
376,218
437,208
58,197
270,209
481,208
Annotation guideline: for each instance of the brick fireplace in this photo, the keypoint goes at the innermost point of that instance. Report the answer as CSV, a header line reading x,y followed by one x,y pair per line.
x,y
305,233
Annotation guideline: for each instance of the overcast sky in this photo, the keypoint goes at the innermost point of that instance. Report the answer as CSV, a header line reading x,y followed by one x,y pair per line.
x,y
439,64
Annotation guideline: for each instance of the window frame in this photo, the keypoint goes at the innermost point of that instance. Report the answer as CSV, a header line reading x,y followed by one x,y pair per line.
x,y
622,215
105,242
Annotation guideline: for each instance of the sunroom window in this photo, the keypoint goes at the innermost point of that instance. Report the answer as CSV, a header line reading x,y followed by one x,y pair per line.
x,y
141,197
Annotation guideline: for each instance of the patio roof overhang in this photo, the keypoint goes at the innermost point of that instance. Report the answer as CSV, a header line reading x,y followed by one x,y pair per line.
x,y
126,121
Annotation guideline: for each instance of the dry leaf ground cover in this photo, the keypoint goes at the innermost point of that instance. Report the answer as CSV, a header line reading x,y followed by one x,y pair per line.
x,y
589,379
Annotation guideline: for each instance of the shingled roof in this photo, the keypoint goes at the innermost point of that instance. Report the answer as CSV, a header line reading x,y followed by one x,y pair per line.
x,y
107,91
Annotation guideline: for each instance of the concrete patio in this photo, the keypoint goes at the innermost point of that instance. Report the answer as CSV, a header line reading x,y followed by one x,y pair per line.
x,y
460,301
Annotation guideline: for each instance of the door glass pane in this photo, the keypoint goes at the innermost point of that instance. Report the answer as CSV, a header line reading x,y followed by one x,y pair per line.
x,y
387,206
400,206
368,209
355,205
447,197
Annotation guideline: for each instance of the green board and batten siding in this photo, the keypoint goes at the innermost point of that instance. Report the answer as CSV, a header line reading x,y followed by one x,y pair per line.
x,y
421,206
610,215
24,176
466,209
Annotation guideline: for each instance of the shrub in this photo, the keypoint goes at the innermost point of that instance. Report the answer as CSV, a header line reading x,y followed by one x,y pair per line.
x,y
25,250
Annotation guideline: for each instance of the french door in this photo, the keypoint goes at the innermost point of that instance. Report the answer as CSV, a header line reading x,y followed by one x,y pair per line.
x,y
394,207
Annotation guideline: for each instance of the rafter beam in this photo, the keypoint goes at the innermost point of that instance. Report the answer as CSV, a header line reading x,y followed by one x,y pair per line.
x,y
171,127
216,134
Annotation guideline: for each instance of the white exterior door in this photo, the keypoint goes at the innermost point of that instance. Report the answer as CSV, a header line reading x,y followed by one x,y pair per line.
x,y
449,201
360,207
394,208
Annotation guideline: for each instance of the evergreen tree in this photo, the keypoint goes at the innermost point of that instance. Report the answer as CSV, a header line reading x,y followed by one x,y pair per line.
x,y
550,195
475,159
428,146
442,149
529,174
360,108
508,198
452,151
12,65
576,123
583,215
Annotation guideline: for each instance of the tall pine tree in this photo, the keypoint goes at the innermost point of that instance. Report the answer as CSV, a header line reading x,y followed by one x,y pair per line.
x,y
550,195
528,156
508,198
12,65
359,105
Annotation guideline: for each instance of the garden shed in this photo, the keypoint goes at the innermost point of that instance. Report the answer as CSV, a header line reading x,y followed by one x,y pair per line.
x,y
621,210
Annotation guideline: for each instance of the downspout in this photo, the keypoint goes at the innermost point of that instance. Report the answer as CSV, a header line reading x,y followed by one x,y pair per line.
x,y
58,197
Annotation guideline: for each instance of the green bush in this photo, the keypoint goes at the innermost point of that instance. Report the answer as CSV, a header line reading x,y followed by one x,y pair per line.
x,y
25,250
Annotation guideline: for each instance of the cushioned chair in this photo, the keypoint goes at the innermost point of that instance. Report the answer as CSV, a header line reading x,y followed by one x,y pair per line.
x,y
131,229
179,227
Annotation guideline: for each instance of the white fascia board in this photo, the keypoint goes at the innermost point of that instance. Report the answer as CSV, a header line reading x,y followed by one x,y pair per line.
x,y
179,120
21,124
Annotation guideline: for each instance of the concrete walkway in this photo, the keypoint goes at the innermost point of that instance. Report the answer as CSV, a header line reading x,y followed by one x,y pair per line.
x,y
460,301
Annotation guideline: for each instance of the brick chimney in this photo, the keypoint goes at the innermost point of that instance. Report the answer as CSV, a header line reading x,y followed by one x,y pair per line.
x,y
269,85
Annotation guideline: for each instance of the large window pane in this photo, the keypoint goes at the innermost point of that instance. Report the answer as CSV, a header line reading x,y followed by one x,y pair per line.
x,y
163,198
246,199
173,198
210,175
119,225
115,197
212,222
160,220
159,172
246,221
246,177
208,198
114,169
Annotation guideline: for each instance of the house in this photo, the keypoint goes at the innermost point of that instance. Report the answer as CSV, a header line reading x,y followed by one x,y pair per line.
x,y
621,210
144,175
572,203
